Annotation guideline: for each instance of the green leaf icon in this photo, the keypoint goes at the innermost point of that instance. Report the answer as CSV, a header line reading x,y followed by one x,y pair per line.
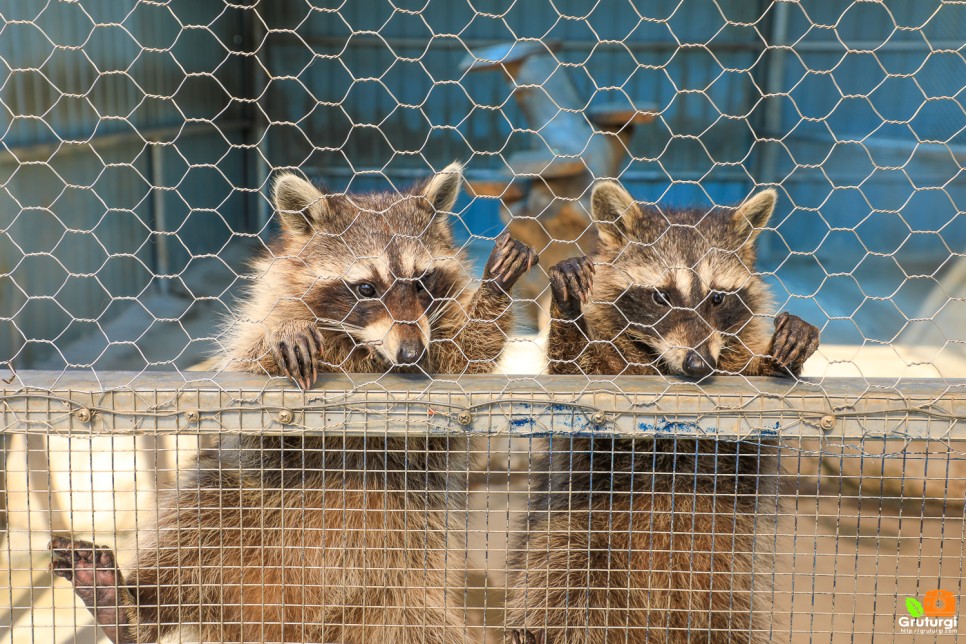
x,y
914,607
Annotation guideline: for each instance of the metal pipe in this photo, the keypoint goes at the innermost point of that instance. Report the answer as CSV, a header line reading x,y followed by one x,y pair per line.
x,y
587,45
162,250
474,44
773,83
258,130
773,110
42,151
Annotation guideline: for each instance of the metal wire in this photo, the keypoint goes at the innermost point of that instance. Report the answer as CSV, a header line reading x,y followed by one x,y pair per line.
x,y
142,145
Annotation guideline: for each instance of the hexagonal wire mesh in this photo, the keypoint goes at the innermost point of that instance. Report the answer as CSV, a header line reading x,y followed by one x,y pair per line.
x,y
639,498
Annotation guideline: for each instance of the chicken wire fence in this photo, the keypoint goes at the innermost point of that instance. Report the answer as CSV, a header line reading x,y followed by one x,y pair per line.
x,y
610,464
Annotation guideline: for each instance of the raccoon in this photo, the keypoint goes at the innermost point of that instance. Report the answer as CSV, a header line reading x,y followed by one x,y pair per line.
x,y
653,540
323,539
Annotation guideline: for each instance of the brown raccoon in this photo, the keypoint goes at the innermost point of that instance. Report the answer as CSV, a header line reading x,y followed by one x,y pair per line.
x,y
655,540
330,539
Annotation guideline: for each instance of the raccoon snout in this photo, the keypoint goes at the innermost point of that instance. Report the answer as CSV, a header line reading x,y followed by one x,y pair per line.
x,y
698,366
410,352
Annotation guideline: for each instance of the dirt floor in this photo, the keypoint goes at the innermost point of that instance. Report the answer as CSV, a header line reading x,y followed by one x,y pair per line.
x,y
855,538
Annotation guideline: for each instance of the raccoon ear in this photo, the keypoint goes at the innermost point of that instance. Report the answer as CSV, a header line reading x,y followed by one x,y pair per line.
x,y
612,208
300,205
442,190
753,215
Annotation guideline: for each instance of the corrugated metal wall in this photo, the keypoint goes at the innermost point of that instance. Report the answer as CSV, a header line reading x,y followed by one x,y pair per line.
x,y
391,94
89,84
871,156
871,165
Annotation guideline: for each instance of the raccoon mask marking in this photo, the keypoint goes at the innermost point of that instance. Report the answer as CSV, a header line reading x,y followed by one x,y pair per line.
x,y
379,268
679,285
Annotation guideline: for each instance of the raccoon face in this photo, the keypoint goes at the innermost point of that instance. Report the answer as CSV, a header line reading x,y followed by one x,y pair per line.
x,y
679,284
380,268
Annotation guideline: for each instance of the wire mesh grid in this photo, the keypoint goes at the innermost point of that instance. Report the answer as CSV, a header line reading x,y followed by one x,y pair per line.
x,y
488,437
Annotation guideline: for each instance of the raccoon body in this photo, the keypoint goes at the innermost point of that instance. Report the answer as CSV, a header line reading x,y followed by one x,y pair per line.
x,y
324,539
655,540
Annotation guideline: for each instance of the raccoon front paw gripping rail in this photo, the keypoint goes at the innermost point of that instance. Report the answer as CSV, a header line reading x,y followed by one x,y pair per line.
x,y
295,347
571,282
571,285
509,260
794,342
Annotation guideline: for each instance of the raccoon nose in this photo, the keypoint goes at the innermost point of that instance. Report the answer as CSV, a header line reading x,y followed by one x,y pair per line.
x,y
696,366
410,352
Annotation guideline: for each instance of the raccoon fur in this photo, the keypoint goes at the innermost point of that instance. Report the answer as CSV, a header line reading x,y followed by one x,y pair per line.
x,y
324,539
654,540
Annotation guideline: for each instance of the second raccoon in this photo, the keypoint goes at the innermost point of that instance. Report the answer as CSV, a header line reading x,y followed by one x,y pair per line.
x,y
634,540
328,539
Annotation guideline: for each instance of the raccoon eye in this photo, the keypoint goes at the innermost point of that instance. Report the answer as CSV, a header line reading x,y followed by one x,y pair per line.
x,y
661,298
419,286
717,298
366,290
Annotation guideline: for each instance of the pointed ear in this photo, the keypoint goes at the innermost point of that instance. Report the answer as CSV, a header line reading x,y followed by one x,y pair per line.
x,y
442,190
612,208
753,215
300,205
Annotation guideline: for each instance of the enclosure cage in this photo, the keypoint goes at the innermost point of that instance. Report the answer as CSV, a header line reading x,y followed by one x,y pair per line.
x,y
141,140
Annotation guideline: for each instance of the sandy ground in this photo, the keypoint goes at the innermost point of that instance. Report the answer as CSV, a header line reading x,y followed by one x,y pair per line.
x,y
846,557
857,533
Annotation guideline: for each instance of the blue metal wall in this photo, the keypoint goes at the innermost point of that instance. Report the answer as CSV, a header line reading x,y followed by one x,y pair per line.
x,y
872,148
864,134
386,90
84,87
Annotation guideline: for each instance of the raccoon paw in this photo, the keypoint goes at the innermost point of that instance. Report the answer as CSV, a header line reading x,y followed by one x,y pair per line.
x,y
295,348
794,342
521,636
509,260
570,284
96,578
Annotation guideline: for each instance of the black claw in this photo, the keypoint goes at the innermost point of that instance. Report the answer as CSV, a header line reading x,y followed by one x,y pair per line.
x,y
499,256
794,355
290,364
573,281
532,259
295,348
780,320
